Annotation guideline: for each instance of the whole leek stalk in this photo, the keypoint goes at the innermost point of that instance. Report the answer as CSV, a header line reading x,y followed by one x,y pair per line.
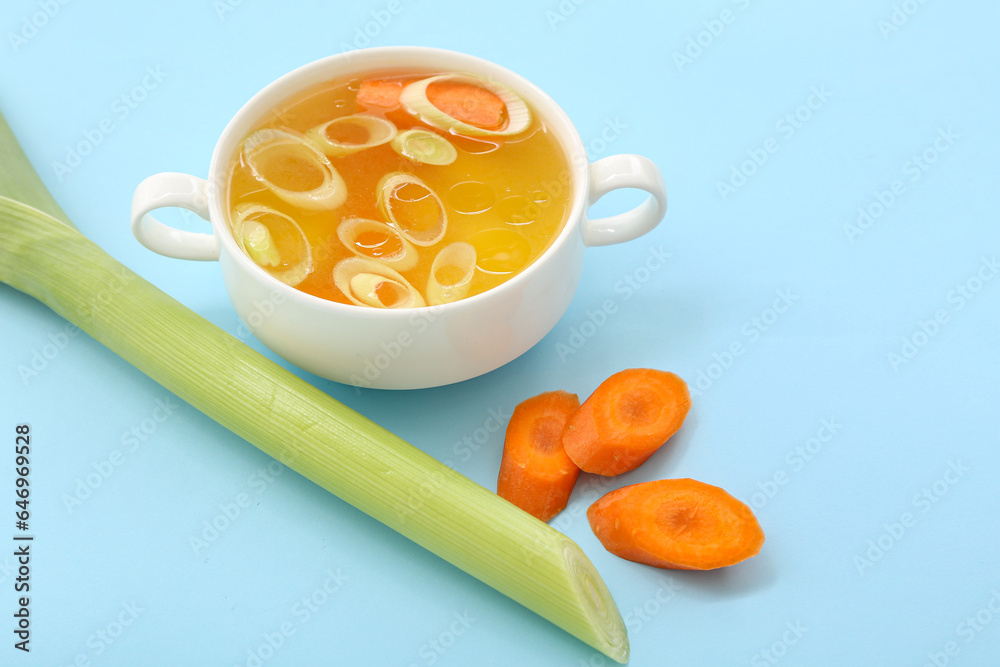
x,y
43,255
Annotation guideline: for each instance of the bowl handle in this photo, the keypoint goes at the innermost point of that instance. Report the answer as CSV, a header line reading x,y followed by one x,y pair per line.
x,y
625,171
172,189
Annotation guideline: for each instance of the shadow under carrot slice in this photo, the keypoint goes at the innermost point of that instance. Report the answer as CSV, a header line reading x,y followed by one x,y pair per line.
x,y
535,472
627,418
679,524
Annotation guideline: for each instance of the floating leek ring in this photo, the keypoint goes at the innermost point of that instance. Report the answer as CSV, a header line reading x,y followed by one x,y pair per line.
x,y
414,100
366,282
451,273
274,241
328,194
426,221
424,146
379,131
372,239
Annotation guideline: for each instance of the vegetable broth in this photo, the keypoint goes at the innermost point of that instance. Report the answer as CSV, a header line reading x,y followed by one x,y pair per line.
x,y
507,196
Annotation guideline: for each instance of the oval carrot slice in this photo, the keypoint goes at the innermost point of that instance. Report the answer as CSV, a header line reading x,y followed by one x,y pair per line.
x,y
467,103
627,418
535,473
680,524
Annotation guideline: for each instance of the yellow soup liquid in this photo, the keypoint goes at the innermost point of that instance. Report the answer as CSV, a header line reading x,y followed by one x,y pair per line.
x,y
507,196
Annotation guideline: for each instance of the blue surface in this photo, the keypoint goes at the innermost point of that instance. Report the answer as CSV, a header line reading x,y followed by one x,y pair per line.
x,y
860,422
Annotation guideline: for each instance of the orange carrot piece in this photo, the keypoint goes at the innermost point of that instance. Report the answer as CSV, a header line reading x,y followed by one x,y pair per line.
x,y
681,524
467,103
627,418
382,93
535,473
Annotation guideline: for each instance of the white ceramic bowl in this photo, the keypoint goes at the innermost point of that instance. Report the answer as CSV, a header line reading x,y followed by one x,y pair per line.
x,y
412,348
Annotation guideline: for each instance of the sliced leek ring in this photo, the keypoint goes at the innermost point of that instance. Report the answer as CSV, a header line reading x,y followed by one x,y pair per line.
x,y
451,273
290,159
380,131
424,146
260,244
410,206
372,239
366,282
274,241
414,100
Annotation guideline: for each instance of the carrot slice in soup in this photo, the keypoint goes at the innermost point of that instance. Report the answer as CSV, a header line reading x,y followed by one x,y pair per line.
x,y
535,473
382,93
627,418
679,524
467,103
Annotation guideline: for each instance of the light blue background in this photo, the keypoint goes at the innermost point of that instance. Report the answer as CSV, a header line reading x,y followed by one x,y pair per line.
x,y
855,299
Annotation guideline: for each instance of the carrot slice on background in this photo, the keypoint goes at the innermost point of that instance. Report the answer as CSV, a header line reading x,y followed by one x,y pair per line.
x,y
627,418
382,93
467,103
535,473
679,524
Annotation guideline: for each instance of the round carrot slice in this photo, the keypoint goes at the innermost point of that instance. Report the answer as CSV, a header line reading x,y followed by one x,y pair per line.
x,y
681,524
627,418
